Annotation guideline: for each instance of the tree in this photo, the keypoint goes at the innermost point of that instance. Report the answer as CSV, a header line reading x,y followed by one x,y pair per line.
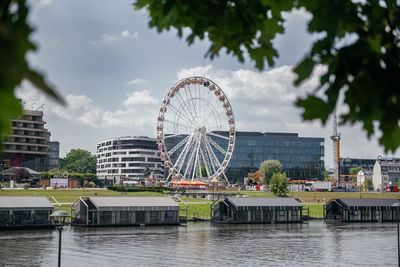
x,y
357,43
326,174
14,46
279,185
355,170
269,168
370,186
80,161
147,172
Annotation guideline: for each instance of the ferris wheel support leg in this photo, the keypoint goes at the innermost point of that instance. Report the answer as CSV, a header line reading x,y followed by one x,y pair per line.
x,y
225,178
205,162
169,176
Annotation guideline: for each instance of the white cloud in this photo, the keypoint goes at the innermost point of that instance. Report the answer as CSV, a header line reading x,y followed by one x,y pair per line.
x,y
137,110
44,2
136,81
139,98
105,38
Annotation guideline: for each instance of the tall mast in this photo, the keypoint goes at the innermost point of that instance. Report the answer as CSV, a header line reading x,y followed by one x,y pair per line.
x,y
336,146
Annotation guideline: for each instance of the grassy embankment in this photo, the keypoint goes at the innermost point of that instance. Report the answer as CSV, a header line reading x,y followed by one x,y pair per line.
x,y
314,200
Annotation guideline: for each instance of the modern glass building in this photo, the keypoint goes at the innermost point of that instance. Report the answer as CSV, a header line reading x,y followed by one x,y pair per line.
x,y
301,157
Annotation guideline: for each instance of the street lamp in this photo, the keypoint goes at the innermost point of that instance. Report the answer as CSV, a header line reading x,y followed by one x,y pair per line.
x,y
397,206
59,218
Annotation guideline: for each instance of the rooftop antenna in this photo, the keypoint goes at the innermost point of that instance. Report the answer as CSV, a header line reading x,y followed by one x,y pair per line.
x,y
40,107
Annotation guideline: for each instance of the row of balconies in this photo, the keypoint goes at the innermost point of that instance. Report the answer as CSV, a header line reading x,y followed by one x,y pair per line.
x,y
23,140
18,124
29,132
26,148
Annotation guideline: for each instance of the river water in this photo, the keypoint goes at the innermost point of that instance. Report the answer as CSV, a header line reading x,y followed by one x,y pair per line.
x,y
202,244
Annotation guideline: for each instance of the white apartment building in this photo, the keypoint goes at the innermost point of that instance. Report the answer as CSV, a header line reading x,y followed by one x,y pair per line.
x,y
385,173
127,158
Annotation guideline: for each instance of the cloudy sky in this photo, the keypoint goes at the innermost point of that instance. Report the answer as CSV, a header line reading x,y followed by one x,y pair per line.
x,y
113,71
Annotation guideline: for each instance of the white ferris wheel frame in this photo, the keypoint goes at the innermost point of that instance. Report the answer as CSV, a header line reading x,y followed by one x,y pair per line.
x,y
197,147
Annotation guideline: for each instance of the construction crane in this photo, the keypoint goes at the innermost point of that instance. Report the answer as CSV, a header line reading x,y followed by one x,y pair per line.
x,y
336,145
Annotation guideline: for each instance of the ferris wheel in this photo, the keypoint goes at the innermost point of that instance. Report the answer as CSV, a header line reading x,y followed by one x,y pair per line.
x,y
196,130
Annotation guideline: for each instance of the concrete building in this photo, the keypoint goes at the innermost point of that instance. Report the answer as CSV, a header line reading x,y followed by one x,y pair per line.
x,y
385,173
128,157
119,211
25,212
257,210
28,144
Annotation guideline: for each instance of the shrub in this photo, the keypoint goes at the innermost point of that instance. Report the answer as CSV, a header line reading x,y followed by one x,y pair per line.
x,y
158,189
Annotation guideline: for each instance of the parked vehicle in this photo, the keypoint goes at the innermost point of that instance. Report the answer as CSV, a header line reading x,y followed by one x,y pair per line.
x,y
392,188
317,186
322,186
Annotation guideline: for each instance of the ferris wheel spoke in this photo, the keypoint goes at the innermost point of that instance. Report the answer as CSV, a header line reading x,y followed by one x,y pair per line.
x,y
205,163
178,123
180,144
190,160
197,159
216,126
218,135
180,114
189,102
210,156
217,146
213,154
181,159
214,112
183,107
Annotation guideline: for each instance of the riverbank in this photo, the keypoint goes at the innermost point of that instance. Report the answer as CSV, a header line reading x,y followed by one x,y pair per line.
x,y
197,208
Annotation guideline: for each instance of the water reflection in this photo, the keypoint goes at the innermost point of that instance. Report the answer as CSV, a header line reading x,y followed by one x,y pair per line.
x,y
199,244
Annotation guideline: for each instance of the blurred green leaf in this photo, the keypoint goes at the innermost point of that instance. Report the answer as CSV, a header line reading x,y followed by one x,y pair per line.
x,y
14,45
358,47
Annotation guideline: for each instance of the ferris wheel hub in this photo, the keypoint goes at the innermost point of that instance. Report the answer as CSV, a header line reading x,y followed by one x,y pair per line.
x,y
203,130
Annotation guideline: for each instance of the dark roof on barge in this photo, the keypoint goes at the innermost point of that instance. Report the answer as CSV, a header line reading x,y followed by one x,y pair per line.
x,y
13,202
264,202
134,203
368,202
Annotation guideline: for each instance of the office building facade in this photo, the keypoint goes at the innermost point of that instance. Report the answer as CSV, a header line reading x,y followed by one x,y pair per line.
x,y
347,163
301,157
54,156
128,158
28,144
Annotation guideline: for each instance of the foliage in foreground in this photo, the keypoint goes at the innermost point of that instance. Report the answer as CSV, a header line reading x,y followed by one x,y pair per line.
x,y
14,46
357,43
